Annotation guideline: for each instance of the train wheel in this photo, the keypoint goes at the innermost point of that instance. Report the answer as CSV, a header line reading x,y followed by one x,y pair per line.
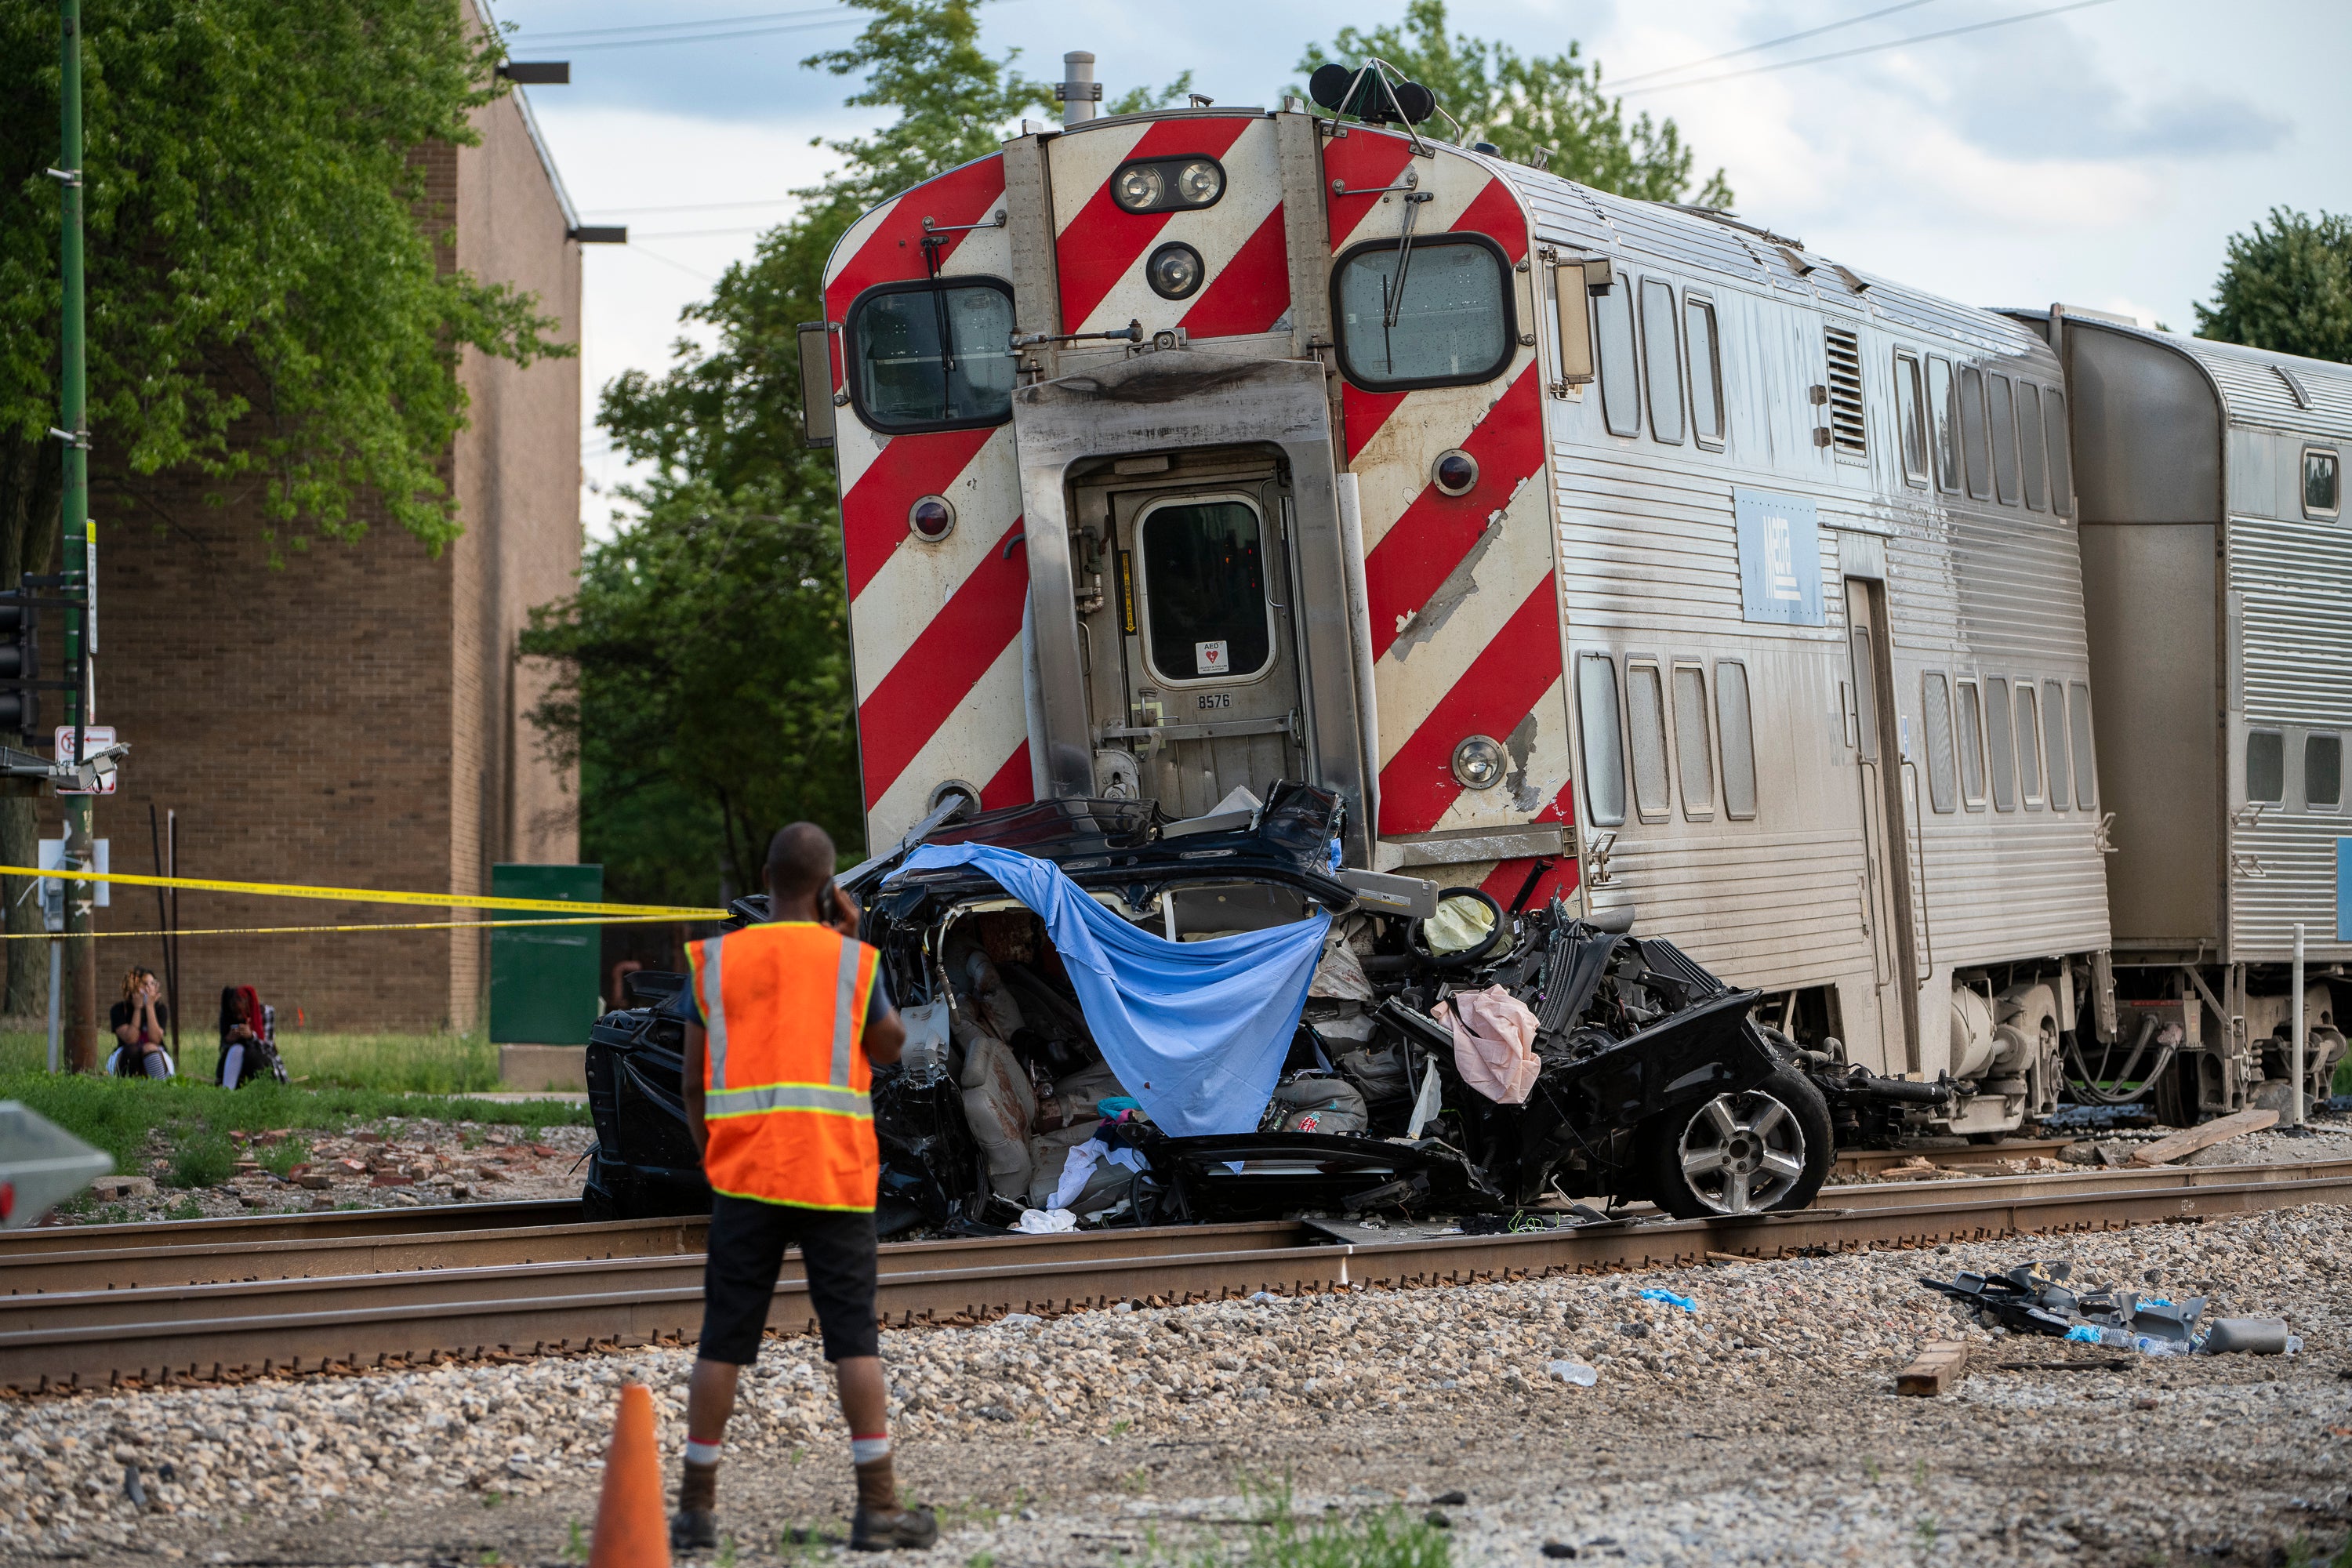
x,y
1766,1150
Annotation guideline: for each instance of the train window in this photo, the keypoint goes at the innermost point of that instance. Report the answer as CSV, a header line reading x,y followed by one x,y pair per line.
x,y
1448,322
1604,740
1734,725
1944,411
1909,415
2266,765
1706,369
1972,432
901,378
2028,746
2029,443
2004,438
1204,591
2061,464
2003,745
1938,705
2319,483
2053,739
1621,392
1646,737
2322,771
1691,754
2078,725
1971,745
1661,361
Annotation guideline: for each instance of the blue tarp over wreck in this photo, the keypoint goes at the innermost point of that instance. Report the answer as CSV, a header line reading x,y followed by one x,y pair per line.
x,y
1195,1030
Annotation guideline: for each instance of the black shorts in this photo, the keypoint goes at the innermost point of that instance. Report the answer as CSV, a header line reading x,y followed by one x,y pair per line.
x,y
745,1252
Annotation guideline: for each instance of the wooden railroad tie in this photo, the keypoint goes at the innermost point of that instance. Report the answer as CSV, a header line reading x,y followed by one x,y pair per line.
x,y
1940,1364
2219,1131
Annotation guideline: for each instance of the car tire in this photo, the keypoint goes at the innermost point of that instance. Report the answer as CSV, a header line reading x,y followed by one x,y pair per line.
x,y
1760,1151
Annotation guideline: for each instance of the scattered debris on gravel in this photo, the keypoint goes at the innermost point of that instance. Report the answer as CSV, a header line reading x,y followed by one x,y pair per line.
x,y
1758,1425
388,1164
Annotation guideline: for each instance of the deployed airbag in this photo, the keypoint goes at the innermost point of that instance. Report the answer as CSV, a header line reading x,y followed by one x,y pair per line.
x,y
1195,1030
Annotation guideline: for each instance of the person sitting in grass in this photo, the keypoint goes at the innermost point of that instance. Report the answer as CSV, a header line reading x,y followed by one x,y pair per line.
x,y
139,1021
248,1044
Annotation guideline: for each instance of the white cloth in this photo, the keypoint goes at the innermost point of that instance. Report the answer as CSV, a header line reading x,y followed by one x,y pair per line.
x,y
1081,1166
1494,1037
1046,1222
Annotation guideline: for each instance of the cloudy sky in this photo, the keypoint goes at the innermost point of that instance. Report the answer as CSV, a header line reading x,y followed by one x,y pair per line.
x,y
2101,156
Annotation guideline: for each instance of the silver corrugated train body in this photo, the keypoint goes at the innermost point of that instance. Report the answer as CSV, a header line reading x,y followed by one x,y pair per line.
x,y
2217,571
1584,546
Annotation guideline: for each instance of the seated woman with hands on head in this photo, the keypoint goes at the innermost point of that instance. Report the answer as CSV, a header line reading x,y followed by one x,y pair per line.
x,y
140,1021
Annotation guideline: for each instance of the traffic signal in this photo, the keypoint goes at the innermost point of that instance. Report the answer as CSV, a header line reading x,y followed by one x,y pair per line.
x,y
20,665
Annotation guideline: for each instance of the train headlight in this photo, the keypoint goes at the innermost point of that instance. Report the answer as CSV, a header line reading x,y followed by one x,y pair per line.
x,y
1199,183
1478,763
1139,187
1174,271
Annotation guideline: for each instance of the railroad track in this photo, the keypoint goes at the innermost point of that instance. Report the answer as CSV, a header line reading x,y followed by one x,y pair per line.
x,y
637,1282
1967,1156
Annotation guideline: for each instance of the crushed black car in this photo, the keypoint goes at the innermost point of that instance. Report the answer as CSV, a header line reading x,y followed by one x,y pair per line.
x,y
1642,1076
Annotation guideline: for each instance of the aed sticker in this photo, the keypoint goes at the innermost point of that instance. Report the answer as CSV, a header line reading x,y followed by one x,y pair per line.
x,y
1211,658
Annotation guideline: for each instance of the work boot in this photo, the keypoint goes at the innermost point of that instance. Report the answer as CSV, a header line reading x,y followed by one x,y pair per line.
x,y
694,1530
695,1526
894,1530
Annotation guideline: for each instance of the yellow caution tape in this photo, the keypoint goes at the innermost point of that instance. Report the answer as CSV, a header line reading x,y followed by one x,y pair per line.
x,y
370,895
292,931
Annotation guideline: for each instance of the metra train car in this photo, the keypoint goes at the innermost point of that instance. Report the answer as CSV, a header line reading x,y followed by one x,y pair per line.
x,y
1583,545
2216,569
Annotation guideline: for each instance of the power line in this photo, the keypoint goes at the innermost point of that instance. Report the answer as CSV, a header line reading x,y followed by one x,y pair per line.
x,y
1770,44
700,233
1871,49
692,207
704,37
675,26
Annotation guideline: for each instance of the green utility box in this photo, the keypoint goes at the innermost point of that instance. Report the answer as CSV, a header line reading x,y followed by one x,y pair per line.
x,y
543,978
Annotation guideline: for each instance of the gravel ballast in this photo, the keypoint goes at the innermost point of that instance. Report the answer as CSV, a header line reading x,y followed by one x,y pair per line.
x,y
1759,1428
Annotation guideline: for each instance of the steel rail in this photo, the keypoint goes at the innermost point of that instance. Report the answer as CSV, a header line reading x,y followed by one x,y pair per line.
x,y
247,1228
295,1324
120,1267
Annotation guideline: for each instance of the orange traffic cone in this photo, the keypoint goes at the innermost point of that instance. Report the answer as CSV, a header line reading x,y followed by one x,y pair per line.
x,y
632,1531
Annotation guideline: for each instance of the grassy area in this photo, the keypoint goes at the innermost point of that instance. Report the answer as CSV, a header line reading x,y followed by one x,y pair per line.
x,y
392,1064
341,1081
1388,1538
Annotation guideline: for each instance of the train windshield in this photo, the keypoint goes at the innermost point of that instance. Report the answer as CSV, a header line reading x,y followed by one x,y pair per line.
x,y
1435,314
901,377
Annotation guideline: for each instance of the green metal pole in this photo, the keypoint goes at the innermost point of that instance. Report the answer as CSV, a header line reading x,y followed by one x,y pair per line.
x,y
81,956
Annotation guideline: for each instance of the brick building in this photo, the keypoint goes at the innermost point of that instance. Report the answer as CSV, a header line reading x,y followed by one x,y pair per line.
x,y
359,717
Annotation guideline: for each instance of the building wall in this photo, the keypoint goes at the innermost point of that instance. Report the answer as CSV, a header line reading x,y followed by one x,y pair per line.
x,y
356,717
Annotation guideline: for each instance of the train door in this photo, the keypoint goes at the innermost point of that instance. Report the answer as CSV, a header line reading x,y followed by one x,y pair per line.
x,y
1192,667
1885,893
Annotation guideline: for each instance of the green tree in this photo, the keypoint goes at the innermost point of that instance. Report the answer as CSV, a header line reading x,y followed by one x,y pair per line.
x,y
2287,287
1530,107
705,681
267,310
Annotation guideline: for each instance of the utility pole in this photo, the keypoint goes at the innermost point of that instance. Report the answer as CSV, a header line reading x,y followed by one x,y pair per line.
x,y
80,550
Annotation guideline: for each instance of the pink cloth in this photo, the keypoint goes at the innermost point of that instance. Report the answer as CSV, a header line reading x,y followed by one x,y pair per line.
x,y
1494,1037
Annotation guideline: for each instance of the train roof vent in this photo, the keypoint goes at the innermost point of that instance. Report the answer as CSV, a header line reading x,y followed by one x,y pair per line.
x,y
1846,428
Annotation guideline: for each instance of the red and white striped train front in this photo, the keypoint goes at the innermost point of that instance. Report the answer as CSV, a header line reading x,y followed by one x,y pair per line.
x,y
1434,408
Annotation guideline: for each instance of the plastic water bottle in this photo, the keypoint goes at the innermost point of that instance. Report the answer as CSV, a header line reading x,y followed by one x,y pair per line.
x,y
1571,1371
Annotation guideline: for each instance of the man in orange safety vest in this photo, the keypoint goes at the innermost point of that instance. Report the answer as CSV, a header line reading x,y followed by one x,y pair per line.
x,y
789,1019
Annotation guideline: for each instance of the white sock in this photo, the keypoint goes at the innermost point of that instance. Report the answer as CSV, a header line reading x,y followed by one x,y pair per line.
x,y
866,1450
702,1453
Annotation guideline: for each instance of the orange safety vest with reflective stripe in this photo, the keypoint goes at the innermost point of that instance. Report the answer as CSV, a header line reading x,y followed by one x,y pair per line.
x,y
784,1072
